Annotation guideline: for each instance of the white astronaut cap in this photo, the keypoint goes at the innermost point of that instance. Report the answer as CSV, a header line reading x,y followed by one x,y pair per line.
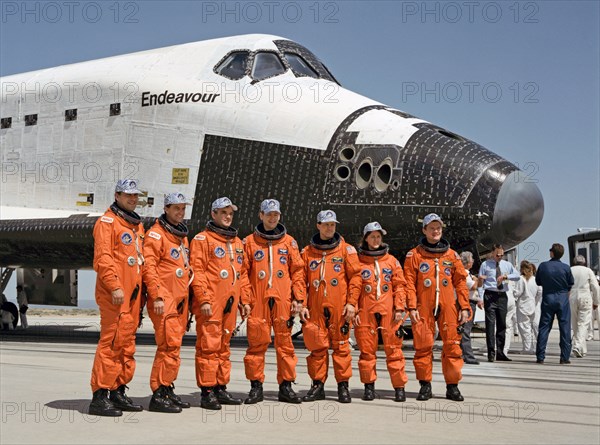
x,y
431,218
373,226
128,186
221,203
326,216
175,198
270,205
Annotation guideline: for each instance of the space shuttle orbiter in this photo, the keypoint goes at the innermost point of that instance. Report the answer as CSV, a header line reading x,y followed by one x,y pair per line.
x,y
249,117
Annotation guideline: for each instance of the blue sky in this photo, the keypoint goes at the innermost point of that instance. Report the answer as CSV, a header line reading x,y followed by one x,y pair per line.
x,y
520,78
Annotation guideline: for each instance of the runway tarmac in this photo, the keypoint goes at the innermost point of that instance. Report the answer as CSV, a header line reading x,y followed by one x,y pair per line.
x,y
44,394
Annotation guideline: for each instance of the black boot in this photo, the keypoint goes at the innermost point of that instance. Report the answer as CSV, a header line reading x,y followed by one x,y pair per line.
x,y
208,399
175,398
256,392
343,393
453,393
369,391
224,397
101,406
287,394
316,392
162,403
400,395
121,401
425,391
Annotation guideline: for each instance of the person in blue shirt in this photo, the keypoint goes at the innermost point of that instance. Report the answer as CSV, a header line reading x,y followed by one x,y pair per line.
x,y
494,274
556,280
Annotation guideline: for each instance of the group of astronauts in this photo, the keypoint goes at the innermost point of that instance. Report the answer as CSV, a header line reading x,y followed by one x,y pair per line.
x,y
330,285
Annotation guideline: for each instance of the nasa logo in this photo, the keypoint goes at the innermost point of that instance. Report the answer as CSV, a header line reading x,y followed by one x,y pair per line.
x,y
365,274
283,260
424,267
126,238
387,278
239,259
313,265
259,255
219,252
447,271
337,268
174,253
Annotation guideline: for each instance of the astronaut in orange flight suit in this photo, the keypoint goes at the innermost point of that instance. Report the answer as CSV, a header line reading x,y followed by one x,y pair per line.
x,y
329,264
118,262
167,276
378,293
274,267
435,285
219,285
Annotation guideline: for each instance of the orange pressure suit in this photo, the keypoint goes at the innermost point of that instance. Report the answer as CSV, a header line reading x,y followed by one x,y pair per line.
x,y
329,268
167,275
274,268
430,271
118,262
378,291
217,255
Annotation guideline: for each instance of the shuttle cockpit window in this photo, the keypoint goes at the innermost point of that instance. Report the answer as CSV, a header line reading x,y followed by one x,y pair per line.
x,y
234,65
266,65
300,67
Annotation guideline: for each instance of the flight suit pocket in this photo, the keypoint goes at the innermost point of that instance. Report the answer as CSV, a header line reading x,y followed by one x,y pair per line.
x,y
125,333
173,331
211,336
366,337
259,332
422,335
315,337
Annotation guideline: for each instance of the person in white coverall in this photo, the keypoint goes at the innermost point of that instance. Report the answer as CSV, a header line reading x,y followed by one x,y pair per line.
x,y
583,298
511,316
528,296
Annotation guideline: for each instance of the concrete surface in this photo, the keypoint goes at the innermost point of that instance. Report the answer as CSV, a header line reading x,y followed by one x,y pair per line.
x,y
44,394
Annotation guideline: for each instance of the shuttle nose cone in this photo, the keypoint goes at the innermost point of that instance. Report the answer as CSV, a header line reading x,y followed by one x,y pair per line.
x,y
519,209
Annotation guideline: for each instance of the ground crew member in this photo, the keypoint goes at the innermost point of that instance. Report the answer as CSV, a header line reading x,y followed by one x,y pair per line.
x,y
219,286
272,261
378,292
118,262
329,264
435,284
167,275
23,306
